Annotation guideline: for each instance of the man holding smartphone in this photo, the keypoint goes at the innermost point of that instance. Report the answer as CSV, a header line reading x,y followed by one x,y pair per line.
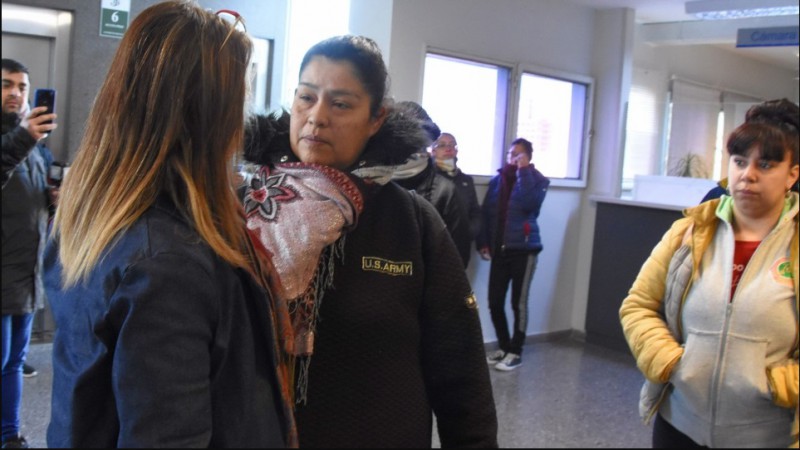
x,y
26,198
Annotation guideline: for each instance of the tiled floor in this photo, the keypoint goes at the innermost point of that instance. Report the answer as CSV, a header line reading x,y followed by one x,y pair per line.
x,y
566,394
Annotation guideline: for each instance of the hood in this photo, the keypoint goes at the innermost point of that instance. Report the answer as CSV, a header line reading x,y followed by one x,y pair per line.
x,y
267,140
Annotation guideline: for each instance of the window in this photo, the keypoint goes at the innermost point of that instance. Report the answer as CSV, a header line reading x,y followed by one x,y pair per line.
x,y
693,129
260,72
471,106
552,115
310,21
470,99
678,127
644,124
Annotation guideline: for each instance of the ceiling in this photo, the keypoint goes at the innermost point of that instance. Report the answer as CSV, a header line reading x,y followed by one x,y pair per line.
x,y
665,22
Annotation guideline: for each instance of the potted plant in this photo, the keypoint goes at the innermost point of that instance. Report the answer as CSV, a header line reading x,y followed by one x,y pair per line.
x,y
690,165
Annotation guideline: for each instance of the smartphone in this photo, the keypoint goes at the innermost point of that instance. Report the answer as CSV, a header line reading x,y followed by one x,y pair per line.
x,y
45,97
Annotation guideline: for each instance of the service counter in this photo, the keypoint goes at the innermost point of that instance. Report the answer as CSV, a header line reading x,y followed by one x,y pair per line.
x,y
624,235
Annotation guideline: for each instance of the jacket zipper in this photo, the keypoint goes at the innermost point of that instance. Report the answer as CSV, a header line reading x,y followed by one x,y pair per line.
x,y
715,398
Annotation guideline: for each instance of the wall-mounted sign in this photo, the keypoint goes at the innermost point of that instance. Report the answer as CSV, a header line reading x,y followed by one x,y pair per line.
x,y
768,37
114,17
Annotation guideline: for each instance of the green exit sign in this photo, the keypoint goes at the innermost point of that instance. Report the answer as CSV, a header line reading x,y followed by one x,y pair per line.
x,y
114,17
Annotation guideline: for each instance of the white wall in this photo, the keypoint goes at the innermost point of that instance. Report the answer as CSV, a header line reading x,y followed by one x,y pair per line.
x,y
717,67
553,34
570,38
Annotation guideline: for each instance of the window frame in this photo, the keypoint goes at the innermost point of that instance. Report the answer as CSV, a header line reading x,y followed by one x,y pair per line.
x,y
586,133
467,58
515,71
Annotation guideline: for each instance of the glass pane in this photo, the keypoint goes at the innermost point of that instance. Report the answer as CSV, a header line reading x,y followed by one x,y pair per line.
x,y
551,115
642,135
310,21
468,100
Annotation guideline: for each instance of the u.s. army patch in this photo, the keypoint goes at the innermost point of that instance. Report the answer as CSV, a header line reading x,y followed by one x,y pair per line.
x,y
375,264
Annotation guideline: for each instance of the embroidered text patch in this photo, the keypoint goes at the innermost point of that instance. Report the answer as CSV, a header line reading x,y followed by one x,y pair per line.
x,y
375,264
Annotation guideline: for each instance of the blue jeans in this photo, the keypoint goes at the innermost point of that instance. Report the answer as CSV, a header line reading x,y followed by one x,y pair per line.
x,y
16,337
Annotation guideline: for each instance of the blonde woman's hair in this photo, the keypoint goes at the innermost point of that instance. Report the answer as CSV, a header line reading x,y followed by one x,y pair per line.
x,y
166,122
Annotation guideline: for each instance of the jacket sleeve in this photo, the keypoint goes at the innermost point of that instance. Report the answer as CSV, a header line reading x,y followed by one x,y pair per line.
x,y
783,383
456,375
653,346
474,209
164,309
458,225
529,191
17,144
484,239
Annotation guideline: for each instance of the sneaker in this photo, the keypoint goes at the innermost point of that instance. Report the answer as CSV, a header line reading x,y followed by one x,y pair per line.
x,y
29,371
496,357
15,442
509,363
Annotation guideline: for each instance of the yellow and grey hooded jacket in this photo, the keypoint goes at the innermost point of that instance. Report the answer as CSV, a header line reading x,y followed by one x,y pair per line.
x,y
723,372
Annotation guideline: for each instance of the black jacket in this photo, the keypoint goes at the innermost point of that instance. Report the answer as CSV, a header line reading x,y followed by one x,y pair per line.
x,y
399,336
165,345
25,217
443,195
465,186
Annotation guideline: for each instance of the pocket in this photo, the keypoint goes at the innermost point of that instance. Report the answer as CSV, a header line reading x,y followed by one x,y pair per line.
x,y
649,397
693,374
744,395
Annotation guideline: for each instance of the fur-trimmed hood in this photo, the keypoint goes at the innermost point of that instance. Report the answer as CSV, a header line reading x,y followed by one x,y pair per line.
x,y
267,140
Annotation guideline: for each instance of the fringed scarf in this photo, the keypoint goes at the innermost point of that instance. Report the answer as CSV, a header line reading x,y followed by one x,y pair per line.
x,y
282,335
300,213
283,211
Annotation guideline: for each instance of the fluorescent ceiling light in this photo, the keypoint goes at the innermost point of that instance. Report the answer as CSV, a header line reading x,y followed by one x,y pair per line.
x,y
741,9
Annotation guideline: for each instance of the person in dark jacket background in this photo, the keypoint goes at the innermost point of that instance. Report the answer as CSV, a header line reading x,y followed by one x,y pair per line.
x,y
445,154
510,238
420,175
166,335
26,200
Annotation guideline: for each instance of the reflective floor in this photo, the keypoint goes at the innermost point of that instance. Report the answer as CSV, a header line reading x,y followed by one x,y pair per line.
x,y
566,394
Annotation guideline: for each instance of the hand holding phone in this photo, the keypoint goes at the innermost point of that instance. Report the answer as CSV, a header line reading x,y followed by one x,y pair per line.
x,y
46,98
34,121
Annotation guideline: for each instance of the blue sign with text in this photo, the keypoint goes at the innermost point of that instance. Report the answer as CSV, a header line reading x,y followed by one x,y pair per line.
x,y
768,37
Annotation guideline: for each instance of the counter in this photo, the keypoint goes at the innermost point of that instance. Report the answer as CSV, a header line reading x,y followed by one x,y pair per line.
x,y
625,233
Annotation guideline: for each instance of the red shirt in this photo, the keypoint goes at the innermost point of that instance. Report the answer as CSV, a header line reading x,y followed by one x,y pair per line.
x,y
741,256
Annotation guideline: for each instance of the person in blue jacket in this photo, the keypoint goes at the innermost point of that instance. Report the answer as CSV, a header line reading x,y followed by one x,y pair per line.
x,y
510,238
166,332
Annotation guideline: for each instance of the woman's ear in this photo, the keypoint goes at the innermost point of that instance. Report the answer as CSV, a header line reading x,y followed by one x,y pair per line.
x,y
378,120
794,173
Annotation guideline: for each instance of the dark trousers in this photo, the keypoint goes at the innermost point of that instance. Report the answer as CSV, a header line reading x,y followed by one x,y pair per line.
x,y
516,269
667,436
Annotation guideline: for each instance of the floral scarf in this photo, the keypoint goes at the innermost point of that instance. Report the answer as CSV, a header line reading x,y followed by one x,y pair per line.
x,y
303,252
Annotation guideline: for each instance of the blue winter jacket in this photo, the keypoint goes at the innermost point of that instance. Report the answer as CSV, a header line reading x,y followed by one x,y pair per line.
x,y
164,345
521,231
